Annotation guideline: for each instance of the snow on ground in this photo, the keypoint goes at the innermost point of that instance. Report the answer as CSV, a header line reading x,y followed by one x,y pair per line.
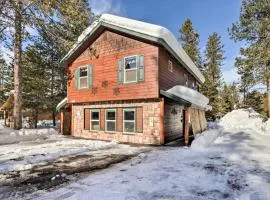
x,y
21,150
234,165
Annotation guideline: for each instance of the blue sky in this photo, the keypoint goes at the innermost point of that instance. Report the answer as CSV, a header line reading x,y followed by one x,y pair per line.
x,y
207,16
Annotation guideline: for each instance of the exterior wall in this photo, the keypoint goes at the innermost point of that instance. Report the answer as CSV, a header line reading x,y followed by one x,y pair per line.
x,y
168,79
104,55
173,120
151,122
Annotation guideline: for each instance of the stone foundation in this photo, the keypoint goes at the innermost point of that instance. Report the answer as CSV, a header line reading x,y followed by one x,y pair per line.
x,y
151,118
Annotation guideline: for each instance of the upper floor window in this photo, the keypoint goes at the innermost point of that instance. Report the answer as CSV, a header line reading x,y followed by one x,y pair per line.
x,y
186,79
193,85
170,66
130,73
83,78
131,69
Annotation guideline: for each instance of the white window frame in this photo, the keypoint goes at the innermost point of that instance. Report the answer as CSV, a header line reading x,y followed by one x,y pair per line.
x,y
186,79
129,109
95,120
85,66
170,65
107,120
136,69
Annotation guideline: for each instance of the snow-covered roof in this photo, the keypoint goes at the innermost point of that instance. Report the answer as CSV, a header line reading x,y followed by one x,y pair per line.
x,y
61,104
150,32
194,97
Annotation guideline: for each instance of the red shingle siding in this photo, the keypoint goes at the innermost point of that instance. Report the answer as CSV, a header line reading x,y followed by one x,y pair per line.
x,y
169,79
104,54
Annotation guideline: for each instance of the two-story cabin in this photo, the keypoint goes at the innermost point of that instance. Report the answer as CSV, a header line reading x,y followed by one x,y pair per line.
x,y
132,82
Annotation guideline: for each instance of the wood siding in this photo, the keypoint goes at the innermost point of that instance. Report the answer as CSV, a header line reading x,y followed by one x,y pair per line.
x,y
104,54
173,120
168,79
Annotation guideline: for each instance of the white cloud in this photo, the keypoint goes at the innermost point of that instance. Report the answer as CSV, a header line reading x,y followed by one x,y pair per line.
x,y
107,6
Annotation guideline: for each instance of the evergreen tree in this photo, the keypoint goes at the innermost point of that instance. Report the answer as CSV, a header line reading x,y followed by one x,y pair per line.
x,y
255,100
54,39
213,77
230,97
18,16
189,39
253,27
245,70
6,79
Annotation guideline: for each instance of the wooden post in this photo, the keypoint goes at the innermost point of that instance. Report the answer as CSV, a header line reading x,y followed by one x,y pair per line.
x,y
5,118
62,122
186,131
161,119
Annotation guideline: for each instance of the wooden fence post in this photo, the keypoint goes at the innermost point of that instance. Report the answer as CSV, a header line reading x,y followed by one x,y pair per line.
x,y
186,131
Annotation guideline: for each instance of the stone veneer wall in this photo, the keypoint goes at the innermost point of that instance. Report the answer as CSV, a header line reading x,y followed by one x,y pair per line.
x,y
151,123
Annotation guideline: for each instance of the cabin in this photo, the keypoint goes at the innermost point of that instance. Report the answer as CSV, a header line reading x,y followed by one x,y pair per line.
x,y
132,82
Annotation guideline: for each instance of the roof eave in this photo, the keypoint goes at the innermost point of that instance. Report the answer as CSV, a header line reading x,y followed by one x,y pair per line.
x,y
64,62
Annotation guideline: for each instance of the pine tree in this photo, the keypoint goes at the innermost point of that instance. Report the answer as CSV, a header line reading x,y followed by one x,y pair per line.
x,y
18,16
245,70
230,97
255,100
189,39
253,27
6,79
54,40
213,77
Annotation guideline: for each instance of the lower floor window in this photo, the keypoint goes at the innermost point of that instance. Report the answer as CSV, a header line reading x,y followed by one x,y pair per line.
x,y
129,120
110,120
95,120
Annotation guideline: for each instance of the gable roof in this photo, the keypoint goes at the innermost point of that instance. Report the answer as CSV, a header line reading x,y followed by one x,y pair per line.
x,y
147,31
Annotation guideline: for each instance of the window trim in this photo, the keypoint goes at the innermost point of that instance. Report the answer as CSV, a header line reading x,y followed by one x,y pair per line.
x,y
135,120
170,66
87,79
186,79
136,69
106,120
94,110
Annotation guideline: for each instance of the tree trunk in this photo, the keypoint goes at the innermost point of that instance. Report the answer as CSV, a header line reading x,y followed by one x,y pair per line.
x,y
53,116
17,110
36,117
268,97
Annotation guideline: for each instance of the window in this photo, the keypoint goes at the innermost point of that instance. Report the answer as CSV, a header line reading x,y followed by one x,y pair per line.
x,y
170,66
95,120
130,71
129,120
193,85
83,77
186,79
110,125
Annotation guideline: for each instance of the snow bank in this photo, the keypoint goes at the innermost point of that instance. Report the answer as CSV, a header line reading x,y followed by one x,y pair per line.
x,y
10,136
243,119
206,138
